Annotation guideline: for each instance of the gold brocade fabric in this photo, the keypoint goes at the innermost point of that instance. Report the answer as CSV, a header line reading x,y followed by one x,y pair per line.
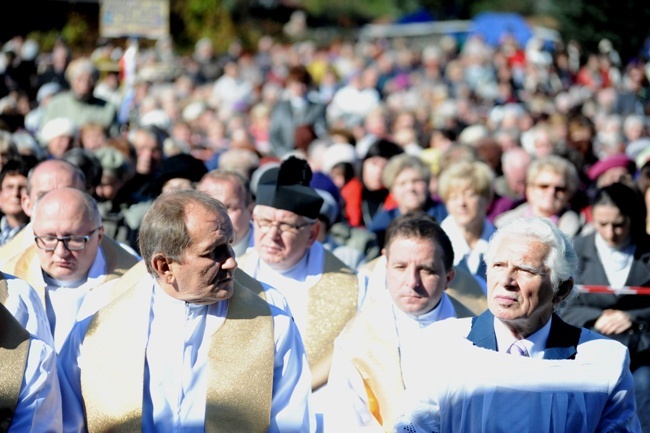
x,y
4,290
240,364
17,245
14,348
371,342
241,360
331,303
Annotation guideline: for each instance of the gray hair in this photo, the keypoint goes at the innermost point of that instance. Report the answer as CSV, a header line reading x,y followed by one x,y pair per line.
x,y
558,165
231,176
82,65
399,163
164,230
562,260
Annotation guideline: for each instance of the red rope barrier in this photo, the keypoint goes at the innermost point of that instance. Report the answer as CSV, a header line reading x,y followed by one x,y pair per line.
x,y
625,290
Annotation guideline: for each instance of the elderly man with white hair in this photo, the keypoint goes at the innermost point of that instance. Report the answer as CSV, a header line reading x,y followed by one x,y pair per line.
x,y
78,104
518,366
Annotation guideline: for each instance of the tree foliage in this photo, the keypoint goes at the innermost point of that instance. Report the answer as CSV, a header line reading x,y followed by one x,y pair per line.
x,y
206,18
624,23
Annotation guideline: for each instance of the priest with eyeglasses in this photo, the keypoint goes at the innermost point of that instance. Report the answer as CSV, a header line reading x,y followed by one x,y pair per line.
x,y
68,260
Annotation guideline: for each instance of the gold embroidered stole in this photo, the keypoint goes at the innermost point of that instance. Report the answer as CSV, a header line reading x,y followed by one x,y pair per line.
x,y
240,363
331,303
27,267
4,289
14,348
241,360
372,343
118,260
465,289
18,244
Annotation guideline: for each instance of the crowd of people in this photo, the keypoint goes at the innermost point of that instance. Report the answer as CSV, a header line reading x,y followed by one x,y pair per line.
x,y
325,238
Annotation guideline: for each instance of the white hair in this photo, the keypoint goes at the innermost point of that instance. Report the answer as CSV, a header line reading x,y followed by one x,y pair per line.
x,y
561,260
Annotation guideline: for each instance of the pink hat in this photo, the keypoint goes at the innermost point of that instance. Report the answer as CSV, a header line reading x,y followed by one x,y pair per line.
x,y
614,161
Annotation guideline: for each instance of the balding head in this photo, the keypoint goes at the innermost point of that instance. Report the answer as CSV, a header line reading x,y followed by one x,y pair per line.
x,y
50,175
67,213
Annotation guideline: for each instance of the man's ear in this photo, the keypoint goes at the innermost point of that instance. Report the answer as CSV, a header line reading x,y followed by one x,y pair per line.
x,y
100,234
314,229
162,267
450,276
563,291
26,204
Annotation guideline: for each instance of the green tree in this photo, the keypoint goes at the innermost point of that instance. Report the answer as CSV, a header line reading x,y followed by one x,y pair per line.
x,y
624,23
206,18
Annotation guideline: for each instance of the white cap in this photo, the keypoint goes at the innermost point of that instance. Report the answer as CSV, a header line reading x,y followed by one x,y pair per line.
x,y
56,128
338,153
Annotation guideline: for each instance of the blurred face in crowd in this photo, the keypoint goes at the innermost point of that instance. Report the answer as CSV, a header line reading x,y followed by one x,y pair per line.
x,y
47,176
12,188
57,146
410,190
82,84
63,213
611,225
108,187
415,274
547,194
282,237
230,193
372,169
613,175
148,153
466,206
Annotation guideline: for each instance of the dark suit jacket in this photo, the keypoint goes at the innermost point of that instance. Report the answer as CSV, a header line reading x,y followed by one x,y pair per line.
x,y
561,344
587,307
284,122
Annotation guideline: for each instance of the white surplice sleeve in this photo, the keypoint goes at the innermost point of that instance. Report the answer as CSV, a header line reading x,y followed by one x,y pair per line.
x,y
25,305
290,408
70,379
39,402
348,400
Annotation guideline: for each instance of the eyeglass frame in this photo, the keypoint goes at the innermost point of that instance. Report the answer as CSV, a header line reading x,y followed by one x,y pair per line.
x,y
278,225
65,240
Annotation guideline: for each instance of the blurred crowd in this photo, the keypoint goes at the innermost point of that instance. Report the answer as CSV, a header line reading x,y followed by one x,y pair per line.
x,y
347,107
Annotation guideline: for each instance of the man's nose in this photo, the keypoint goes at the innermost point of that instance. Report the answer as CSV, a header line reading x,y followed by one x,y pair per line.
x,y
506,278
60,249
413,278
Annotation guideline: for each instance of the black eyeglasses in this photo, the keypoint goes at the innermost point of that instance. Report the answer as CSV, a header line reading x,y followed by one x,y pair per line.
x,y
265,225
71,243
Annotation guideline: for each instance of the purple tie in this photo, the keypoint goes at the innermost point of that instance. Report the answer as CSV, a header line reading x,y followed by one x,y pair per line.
x,y
518,349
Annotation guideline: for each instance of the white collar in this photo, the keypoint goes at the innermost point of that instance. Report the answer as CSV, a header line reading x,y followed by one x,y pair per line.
x,y
534,343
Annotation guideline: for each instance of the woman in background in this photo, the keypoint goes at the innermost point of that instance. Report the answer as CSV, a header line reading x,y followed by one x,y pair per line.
x,y
466,189
617,254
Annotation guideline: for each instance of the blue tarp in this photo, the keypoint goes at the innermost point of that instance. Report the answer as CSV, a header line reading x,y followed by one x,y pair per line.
x,y
494,25
420,16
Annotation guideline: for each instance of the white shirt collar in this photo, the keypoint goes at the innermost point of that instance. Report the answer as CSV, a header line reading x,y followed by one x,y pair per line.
x,y
534,343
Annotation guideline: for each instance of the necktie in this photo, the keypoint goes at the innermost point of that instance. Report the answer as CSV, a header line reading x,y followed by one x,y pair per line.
x,y
518,349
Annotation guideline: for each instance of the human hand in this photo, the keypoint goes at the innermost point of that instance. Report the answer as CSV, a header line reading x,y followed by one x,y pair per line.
x,y
613,322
